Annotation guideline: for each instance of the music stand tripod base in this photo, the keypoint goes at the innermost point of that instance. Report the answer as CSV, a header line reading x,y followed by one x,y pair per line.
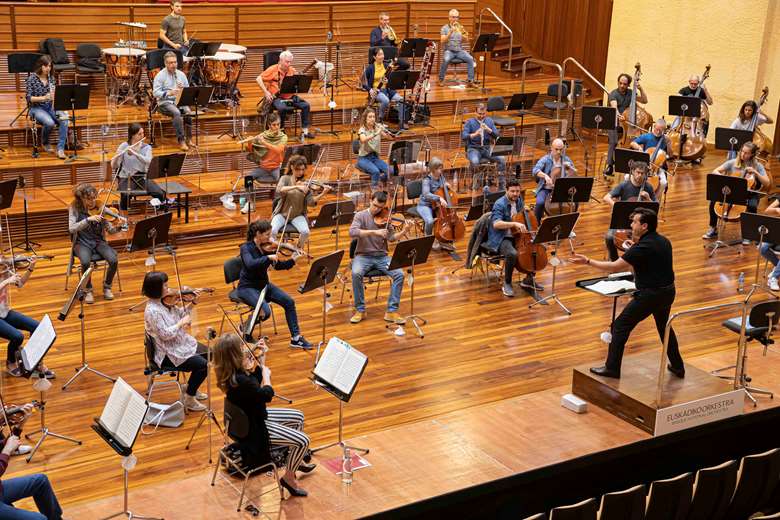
x,y
551,230
45,432
125,511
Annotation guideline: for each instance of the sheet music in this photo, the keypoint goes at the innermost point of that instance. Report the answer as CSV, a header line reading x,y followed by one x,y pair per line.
x,y
38,344
612,286
115,406
123,413
350,369
135,412
328,366
340,365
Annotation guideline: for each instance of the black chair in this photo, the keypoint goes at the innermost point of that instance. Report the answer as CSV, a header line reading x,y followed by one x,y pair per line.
x,y
88,60
712,491
270,58
413,192
373,276
585,510
552,91
670,499
758,477
152,370
58,66
231,269
496,104
455,77
628,504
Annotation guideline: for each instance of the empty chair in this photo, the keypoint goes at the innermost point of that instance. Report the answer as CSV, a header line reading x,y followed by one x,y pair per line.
x,y
552,91
585,510
670,499
712,491
496,104
758,477
628,504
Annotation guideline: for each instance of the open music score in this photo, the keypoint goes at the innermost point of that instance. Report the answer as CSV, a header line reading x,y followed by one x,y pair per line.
x,y
122,416
340,367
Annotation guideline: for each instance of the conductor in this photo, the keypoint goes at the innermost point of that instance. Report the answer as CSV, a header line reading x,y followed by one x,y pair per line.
x,y
651,260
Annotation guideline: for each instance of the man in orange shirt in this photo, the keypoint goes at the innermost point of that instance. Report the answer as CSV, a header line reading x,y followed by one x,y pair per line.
x,y
270,81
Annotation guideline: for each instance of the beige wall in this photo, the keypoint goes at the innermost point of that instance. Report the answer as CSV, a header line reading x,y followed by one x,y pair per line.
x,y
672,40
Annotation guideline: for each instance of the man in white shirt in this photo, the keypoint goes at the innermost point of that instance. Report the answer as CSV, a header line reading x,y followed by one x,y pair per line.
x,y
167,86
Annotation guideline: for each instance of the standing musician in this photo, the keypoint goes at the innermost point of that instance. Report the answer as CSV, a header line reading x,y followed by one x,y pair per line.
x,y
372,78
769,250
431,185
371,253
173,32
658,140
384,36
370,138
452,36
651,260
746,165
268,150
248,386
270,81
635,187
479,133
166,324
87,225
296,195
167,87
40,97
620,98
693,86
258,253
501,240
557,158
132,161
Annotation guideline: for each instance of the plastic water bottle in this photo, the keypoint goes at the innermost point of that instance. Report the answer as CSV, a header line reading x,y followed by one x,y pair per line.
x,y
741,282
241,201
346,467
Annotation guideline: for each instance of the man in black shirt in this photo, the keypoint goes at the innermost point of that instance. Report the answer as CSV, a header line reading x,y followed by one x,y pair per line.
x,y
620,98
697,89
651,260
635,188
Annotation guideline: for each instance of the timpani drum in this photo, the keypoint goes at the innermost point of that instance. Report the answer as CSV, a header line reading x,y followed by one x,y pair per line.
x,y
231,47
123,62
224,68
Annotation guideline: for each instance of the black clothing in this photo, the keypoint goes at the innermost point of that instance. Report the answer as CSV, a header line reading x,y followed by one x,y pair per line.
x,y
254,266
651,259
686,91
251,396
626,189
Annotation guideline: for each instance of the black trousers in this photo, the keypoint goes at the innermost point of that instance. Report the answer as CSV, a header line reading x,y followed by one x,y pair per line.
x,y
645,302
138,181
508,251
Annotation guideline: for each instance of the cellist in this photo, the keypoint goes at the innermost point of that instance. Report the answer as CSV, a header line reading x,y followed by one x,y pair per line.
x,y
657,142
697,89
620,98
432,184
543,171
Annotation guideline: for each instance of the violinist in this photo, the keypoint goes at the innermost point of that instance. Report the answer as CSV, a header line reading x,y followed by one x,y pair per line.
x,y
296,195
479,133
40,96
370,137
620,98
372,82
635,187
431,185
87,224
372,235
769,250
132,162
248,386
268,150
557,158
659,141
259,253
694,83
174,347
501,239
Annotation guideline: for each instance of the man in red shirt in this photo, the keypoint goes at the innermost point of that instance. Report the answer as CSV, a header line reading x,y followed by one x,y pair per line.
x,y
270,81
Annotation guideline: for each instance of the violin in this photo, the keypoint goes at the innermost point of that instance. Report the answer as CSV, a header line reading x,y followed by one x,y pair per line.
x,y
185,296
385,218
107,213
283,249
255,354
19,262
14,416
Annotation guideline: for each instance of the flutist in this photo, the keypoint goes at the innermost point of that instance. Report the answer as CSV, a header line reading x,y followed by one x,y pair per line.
x,y
480,133
131,163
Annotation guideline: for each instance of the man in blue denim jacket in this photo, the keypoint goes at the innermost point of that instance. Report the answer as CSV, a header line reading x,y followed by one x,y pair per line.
x,y
543,170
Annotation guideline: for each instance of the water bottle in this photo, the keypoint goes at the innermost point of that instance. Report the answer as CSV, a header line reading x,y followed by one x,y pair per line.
x,y
547,137
241,202
741,282
346,467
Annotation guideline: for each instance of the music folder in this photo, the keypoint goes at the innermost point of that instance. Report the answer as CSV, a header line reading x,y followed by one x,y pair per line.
x,y
340,368
37,346
122,417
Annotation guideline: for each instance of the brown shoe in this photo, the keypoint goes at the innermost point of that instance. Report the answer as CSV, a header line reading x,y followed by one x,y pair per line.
x,y
394,317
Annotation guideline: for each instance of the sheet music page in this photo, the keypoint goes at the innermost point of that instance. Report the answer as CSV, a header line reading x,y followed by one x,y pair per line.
x,y
115,406
612,286
349,372
40,340
135,411
329,364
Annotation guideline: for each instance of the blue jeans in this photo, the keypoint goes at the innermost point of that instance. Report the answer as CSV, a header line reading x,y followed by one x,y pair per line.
x,y
384,102
362,264
541,198
46,117
426,213
768,253
462,56
10,329
301,223
374,166
180,117
36,486
250,295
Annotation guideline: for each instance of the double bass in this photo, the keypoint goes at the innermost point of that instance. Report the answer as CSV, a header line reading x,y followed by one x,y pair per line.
x,y
635,117
763,142
732,212
690,130
530,257
448,227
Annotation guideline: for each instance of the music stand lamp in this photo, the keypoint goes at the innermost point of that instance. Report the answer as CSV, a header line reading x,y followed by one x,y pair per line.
x,y
726,190
485,44
298,84
684,107
597,118
408,254
403,80
334,213
36,348
731,139
152,233
551,230
199,98
523,102
321,273
22,63
69,98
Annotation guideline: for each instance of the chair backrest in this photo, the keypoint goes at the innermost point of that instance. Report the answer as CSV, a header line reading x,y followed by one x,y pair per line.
x,y
552,90
495,103
149,348
670,499
55,48
236,421
352,248
155,59
414,189
713,491
585,510
270,58
761,313
758,478
232,269
88,50
355,146
628,504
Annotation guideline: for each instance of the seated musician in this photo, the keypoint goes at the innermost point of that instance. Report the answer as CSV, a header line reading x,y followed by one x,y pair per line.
x,y
258,253
167,324
502,241
744,120
87,226
166,87
371,253
296,195
372,77
173,32
370,137
132,161
270,81
479,133
620,99
268,151
40,97
702,93
384,36
745,165
452,36
769,251
431,185
544,167
655,139
635,187
248,386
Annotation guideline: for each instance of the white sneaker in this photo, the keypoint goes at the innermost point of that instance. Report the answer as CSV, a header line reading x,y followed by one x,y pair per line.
x,y
773,285
191,404
201,396
23,449
89,297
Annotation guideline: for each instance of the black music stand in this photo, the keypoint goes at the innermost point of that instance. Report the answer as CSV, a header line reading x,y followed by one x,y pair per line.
x,y
403,80
300,84
731,139
71,98
552,229
22,63
150,234
164,166
7,192
597,118
199,50
480,203
761,229
334,214
726,190
199,98
322,272
485,44
622,210
523,102
624,156
409,253
684,106
413,48
27,245
572,191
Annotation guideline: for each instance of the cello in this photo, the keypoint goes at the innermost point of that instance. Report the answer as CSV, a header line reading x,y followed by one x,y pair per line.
x,y
559,208
635,117
530,257
448,227
761,140
622,238
694,143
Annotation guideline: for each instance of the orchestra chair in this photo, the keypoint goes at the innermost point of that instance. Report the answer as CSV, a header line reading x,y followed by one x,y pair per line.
x,y
57,67
272,58
96,261
89,51
456,65
670,499
291,234
413,193
152,371
585,510
481,171
552,91
712,491
231,269
371,277
237,429
628,504
496,104
758,478
485,258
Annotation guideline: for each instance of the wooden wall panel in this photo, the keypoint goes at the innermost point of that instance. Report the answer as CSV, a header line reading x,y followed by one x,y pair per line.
x,y
6,34
212,23
73,23
276,25
430,16
353,23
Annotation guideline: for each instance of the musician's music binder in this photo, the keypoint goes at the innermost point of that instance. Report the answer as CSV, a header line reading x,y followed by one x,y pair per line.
x,y
340,368
122,417
37,346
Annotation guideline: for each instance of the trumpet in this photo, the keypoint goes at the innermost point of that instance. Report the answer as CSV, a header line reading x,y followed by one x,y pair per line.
x,y
457,26
389,33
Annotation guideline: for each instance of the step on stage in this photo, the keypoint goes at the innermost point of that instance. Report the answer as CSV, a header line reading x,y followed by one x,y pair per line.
x,y
697,399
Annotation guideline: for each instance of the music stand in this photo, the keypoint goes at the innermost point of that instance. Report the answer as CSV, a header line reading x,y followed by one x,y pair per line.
x,y
761,229
72,98
300,84
597,118
322,272
334,213
413,48
731,139
165,166
151,233
571,190
198,97
624,156
409,253
551,230
684,106
622,210
479,204
523,102
20,63
485,44
403,80
726,190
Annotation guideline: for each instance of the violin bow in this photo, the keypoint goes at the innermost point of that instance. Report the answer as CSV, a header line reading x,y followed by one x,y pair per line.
x,y
314,169
286,220
5,415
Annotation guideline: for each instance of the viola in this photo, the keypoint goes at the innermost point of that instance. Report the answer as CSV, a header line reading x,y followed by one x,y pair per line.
x,y
14,417
530,257
187,295
385,219
448,226
19,262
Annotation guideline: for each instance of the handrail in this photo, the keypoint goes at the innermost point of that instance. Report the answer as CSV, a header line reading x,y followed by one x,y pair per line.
x,y
505,26
583,69
560,81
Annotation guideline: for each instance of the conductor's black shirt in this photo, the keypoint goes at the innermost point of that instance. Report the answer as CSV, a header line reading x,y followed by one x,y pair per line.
x,y
651,259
